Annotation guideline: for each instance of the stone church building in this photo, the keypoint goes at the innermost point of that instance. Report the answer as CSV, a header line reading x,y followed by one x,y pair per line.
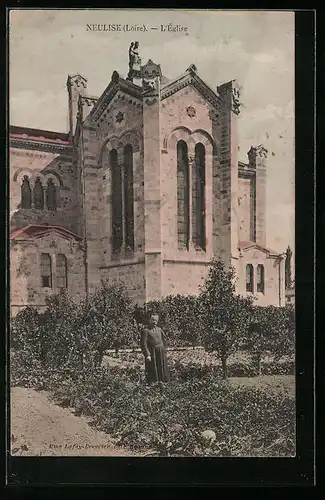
x,y
145,188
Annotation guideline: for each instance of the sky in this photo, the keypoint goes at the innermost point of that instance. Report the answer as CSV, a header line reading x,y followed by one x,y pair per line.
x,y
255,48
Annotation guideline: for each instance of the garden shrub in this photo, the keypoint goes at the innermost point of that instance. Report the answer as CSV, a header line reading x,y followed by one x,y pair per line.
x,y
71,335
178,317
26,370
224,315
271,331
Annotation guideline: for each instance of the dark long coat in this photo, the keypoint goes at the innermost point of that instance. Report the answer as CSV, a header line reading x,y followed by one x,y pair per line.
x,y
153,344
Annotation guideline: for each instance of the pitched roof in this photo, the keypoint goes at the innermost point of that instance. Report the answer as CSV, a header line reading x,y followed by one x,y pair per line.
x,y
190,77
38,230
35,134
168,88
40,140
245,245
116,84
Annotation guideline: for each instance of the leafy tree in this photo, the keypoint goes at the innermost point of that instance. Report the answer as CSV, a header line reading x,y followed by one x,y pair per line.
x,y
107,321
60,341
224,315
184,313
72,336
178,316
26,331
272,330
282,331
257,343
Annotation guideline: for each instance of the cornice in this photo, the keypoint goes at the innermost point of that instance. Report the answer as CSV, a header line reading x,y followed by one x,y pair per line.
x,y
40,146
195,81
270,253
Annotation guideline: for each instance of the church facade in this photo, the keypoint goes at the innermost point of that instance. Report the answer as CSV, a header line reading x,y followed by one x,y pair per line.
x,y
145,188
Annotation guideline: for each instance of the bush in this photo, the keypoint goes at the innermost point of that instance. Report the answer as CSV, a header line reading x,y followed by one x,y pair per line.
x,y
61,337
71,335
272,330
26,370
27,333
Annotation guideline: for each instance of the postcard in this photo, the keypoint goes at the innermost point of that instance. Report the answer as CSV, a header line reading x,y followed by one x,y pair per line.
x,y
152,245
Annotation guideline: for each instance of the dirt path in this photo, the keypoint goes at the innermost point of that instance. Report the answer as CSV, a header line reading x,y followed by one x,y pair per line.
x,y
42,428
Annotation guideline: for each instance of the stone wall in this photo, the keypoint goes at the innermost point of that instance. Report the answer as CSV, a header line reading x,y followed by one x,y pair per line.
x,y
132,275
62,170
119,124
185,116
273,277
183,277
174,112
26,286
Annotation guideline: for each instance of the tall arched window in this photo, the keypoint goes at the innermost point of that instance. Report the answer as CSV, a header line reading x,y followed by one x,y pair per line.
x,y
61,271
51,195
117,234
46,270
128,197
260,278
249,278
26,193
38,194
183,215
198,197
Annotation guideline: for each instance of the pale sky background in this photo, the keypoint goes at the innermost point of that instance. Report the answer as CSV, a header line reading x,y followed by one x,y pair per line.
x,y
256,48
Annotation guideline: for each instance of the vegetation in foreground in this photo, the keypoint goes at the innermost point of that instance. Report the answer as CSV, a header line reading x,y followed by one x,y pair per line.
x,y
172,420
199,412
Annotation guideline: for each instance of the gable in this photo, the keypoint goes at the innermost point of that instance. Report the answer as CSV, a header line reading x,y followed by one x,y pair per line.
x,y
120,113
35,231
191,79
245,246
117,88
187,103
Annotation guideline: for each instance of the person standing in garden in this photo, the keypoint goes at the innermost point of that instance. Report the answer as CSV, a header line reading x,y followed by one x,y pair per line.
x,y
153,346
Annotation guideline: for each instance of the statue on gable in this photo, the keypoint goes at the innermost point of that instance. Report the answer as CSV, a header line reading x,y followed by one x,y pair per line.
x,y
134,62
